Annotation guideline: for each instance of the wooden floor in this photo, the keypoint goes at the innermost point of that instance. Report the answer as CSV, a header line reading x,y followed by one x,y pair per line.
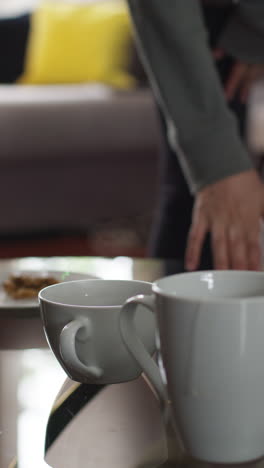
x,y
109,243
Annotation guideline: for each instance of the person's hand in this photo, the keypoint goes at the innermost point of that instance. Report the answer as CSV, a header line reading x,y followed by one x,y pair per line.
x,y
231,210
241,78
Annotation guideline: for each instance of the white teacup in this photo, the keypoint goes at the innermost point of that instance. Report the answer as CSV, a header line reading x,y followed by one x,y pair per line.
x,y
81,324
211,331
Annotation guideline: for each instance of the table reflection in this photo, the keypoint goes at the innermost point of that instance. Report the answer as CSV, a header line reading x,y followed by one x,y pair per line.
x,y
30,380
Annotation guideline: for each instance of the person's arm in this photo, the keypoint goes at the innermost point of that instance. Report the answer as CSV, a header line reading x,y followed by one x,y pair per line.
x,y
229,196
173,45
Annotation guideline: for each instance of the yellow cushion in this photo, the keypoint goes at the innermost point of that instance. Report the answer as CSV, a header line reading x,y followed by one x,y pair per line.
x,y
76,43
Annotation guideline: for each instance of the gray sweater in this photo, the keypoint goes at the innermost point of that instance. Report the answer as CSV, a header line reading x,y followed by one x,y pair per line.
x,y
173,42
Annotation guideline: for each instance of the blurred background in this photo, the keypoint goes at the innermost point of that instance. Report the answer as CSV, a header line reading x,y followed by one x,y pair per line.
x,y
79,134
78,129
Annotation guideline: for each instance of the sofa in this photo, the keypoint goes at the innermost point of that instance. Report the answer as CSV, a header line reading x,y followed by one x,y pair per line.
x,y
71,155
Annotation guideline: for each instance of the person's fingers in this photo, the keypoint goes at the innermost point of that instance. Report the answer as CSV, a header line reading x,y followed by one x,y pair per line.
x,y
218,54
234,80
250,78
219,243
237,250
230,210
254,249
237,247
195,242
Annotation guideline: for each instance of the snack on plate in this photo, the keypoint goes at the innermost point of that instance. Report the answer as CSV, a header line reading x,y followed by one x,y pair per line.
x,y
26,286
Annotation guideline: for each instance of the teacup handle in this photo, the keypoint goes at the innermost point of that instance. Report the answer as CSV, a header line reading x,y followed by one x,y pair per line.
x,y
68,348
137,348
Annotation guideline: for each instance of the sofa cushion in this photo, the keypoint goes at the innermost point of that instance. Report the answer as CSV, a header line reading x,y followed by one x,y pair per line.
x,y
88,120
13,39
74,43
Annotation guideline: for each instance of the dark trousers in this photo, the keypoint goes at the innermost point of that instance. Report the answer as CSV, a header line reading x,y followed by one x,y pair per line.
x,y
173,220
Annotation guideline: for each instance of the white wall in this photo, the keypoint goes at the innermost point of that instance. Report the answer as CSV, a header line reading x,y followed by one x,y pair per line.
x,y
14,7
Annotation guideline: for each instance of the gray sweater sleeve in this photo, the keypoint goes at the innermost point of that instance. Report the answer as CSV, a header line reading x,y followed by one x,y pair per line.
x,y
243,36
173,44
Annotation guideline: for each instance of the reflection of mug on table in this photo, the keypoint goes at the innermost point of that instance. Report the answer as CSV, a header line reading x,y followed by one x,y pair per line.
x,y
81,323
211,331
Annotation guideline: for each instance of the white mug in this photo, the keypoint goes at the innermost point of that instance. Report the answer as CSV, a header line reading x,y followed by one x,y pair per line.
x,y
211,332
81,324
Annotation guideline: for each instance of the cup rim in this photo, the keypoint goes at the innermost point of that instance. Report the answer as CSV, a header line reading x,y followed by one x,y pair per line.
x,y
157,288
50,301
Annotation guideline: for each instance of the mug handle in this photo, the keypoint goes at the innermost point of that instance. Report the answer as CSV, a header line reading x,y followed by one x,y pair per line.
x,y
68,348
175,449
137,348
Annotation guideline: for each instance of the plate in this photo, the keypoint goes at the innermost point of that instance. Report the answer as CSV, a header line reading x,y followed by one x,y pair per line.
x,y
27,307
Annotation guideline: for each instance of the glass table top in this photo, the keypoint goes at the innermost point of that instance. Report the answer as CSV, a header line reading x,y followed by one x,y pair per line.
x,y
31,378
48,420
